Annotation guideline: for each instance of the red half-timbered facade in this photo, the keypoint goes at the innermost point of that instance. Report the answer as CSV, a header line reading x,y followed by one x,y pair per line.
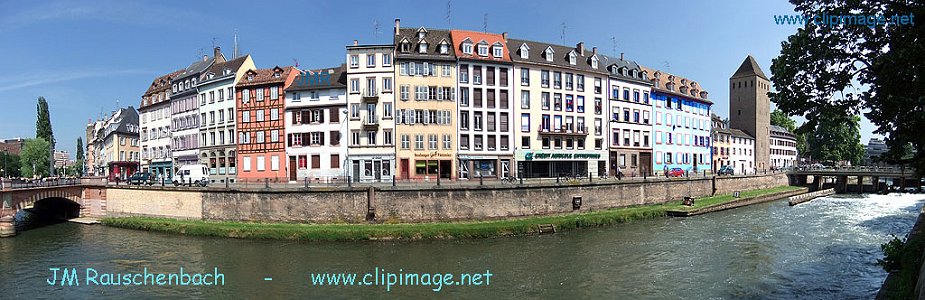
x,y
260,101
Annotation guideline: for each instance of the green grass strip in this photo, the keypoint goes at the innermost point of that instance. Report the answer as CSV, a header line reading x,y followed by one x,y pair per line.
x,y
413,231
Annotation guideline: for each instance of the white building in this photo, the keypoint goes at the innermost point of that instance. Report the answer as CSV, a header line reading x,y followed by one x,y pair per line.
x,y
156,131
316,125
630,122
184,114
741,147
783,148
371,123
216,115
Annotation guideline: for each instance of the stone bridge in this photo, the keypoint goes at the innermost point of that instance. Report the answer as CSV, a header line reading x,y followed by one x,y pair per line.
x,y
854,179
59,201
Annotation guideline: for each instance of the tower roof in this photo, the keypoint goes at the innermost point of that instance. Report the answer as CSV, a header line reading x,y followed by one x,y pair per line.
x,y
749,67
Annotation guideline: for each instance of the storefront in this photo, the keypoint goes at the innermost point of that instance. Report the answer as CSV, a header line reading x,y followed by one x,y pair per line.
x,y
121,170
427,166
631,162
486,166
371,168
549,164
162,169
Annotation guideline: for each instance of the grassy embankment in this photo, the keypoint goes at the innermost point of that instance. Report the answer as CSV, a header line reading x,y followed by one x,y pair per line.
x,y
444,230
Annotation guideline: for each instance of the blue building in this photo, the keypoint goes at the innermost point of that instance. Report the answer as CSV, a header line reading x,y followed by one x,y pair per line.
x,y
682,124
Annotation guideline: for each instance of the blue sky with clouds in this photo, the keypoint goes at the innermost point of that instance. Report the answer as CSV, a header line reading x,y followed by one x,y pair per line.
x,y
85,57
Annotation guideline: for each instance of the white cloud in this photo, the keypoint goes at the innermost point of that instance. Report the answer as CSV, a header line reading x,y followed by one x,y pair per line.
x,y
13,83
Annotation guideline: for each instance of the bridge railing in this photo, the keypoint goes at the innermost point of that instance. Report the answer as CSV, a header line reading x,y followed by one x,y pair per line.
x,y
872,169
24,183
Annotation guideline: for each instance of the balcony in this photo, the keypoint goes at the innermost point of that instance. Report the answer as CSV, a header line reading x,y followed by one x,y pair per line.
x,y
564,130
371,122
370,95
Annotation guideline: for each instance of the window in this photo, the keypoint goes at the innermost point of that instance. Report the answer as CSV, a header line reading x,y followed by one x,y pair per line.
x,y
404,92
432,142
387,137
371,60
418,142
483,50
524,99
525,122
463,73
467,48
274,93
405,141
581,104
557,80
354,61
544,99
444,49
524,76
260,116
544,78
246,161
245,96
371,137
386,59
447,71
569,81
496,51
580,82
260,94
387,109
274,114
355,85
261,163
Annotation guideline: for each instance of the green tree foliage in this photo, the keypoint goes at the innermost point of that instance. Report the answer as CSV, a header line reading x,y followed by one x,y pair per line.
x,y
836,139
35,152
43,130
9,163
79,163
844,69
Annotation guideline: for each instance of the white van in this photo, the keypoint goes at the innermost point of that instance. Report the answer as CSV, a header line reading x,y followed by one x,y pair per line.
x,y
196,174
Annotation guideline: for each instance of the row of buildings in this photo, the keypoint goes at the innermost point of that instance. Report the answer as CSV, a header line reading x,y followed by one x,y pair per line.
x,y
452,104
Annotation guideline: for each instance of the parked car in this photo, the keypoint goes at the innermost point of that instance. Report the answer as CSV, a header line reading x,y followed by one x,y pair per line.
x,y
195,174
726,170
675,172
140,178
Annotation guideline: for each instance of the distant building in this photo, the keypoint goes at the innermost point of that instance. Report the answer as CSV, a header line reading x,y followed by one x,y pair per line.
x,y
750,108
62,159
371,120
216,88
682,124
11,146
631,117
184,108
874,150
155,124
261,124
116,146
783,148
316,125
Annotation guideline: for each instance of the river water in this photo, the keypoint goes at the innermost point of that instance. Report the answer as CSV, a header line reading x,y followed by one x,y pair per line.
x,y
826,248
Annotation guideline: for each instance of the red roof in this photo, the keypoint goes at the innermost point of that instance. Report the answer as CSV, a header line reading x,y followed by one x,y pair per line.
x,y
460,36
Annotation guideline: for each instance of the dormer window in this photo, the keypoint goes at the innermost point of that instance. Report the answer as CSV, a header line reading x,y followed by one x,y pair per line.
x,y
645,75
444,49
250,77
422,48
549,54
623,72
405,46
633,74
275,74
211,75
496,51
572,58
422,33
524,51
483,50
467,48
594,62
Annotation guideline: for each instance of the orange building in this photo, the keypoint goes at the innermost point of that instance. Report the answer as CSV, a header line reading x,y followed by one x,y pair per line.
x,y
260,102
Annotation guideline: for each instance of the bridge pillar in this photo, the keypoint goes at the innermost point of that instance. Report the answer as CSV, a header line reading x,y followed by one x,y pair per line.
x,y
841,184
817,183
7,229
860,184
875,182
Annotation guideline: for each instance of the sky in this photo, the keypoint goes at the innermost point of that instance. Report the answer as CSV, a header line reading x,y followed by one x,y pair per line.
x,y
90,57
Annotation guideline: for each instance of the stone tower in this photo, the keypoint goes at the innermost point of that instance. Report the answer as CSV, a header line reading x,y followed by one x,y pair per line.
x,y
750,107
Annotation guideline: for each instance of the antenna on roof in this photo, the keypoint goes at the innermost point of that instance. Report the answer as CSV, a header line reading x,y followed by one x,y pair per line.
x,y
449,10
296,61
213,42
614,40
667,66
235,43
376,29
485,23
199,54
562,37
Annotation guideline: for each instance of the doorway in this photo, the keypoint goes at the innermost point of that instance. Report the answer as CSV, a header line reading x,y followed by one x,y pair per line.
x,y
645,163
292,168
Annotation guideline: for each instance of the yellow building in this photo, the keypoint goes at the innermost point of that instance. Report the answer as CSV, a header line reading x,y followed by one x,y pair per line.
x,y
426,104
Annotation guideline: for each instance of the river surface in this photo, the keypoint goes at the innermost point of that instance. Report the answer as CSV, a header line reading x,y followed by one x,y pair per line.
x,y
826,248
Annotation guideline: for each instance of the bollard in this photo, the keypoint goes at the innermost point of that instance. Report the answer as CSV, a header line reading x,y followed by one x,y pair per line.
x,y
438,179
521,180
306,182
349,181
480,178
557,178
393,180
266,183
226,183
589,177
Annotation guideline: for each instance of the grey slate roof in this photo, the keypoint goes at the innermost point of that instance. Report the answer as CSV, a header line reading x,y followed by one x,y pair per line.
x,y
338,80
195,68
219,70
433,37
749,67
560,56
614,64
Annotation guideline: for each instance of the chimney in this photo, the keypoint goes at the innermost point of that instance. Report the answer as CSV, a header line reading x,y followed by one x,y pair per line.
x,y
217,55
205,57
621,55
504,36
581,48
356,42
593,51
397,25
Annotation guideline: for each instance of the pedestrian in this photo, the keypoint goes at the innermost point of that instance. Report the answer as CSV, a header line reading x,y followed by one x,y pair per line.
x,y
666,171
619,173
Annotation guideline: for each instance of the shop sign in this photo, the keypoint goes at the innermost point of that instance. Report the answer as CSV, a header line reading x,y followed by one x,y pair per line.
x,y
434,154
554,156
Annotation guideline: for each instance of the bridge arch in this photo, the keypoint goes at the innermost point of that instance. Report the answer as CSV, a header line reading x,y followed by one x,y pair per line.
x,y
57,208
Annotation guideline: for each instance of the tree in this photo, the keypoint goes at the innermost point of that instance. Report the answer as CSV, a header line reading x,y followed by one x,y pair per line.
x,y
781,119
43,130
836,139
843,69
79,163
9,164
34,154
